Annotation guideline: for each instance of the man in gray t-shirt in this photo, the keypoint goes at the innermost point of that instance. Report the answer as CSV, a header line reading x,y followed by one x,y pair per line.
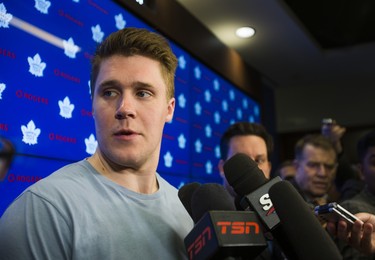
x,y
112,205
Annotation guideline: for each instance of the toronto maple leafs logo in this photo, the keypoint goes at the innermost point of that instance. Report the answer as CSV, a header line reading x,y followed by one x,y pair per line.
x,y
91,144
207,96
217,117
2,88
42,6
239,114
197,73
208,167
198,108
30,133
4,16
97,34
168,159
36,66
245,103
181,101
120,22
216,84
217,152
208,131
198,146
70,49
256,110
181,141
182,62
66,108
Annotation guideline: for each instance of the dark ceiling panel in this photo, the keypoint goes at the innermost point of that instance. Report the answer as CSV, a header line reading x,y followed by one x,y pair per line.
x,y
337,23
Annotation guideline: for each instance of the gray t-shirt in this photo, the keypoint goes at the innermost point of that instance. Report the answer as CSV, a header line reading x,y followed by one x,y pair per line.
x,y
76,213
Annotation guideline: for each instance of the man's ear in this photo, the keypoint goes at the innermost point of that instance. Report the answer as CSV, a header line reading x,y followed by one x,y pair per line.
x,y
221,168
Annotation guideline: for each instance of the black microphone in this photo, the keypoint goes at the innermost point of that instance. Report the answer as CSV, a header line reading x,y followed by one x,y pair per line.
x,y
185,194
309,239
220,232
249,181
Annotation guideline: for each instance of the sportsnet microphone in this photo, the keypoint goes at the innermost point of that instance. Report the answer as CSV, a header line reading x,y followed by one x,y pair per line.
x,y
220,232
248,181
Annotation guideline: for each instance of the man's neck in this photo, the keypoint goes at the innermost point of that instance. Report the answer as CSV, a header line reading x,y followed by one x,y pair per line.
x,y
129,178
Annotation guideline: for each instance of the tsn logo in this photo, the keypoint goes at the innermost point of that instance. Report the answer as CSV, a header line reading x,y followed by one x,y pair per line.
x,y
199,242
266,203
226,228
238,227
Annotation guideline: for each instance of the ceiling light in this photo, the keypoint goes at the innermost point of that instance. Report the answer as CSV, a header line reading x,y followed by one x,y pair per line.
x,y
245,32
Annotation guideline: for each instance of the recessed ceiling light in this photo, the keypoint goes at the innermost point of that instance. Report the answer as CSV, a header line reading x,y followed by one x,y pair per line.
x,y
245,32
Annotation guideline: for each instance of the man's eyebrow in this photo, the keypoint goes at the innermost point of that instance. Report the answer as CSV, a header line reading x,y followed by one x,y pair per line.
x,y
106,83
139,84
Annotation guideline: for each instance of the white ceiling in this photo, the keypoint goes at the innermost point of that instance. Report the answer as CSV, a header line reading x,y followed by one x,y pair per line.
x,y
282,50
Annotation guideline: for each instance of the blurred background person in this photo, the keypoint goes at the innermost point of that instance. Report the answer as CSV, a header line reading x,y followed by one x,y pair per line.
x,y
316,165
365,200
348,181
286,170
251,139
6,156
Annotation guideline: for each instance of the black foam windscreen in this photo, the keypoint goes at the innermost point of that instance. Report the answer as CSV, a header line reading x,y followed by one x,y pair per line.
x,y
210,196
309,239
185,194
243,174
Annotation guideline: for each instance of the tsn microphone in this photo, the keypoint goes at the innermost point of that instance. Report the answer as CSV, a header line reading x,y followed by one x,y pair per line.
x,y
220,232
249,181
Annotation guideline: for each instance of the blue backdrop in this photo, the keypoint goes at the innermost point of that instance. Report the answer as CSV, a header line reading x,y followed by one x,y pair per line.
x,y
45,105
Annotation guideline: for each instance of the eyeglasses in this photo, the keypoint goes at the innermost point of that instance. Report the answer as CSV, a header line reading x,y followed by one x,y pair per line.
x,y
317,165
6,156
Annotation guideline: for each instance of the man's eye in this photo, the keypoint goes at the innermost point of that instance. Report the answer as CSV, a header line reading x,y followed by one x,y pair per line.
x,y
260,161
109,93
143,94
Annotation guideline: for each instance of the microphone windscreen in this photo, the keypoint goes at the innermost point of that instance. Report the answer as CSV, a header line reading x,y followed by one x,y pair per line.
x,y
309,239
243,174
185,194
210,196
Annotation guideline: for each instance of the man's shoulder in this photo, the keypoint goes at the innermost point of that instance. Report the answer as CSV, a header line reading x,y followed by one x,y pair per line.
x,y
62,180
358,203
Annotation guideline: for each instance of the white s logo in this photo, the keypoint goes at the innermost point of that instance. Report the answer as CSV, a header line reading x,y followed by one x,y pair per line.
x,y
266,201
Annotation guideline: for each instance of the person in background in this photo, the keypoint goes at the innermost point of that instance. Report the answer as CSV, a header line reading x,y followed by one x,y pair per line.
x,y
348,181
286,170
251,139
6,156
365,200
112,205
316,164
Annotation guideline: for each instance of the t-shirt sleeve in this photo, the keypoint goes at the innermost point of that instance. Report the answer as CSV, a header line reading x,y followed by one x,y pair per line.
x,y
33,228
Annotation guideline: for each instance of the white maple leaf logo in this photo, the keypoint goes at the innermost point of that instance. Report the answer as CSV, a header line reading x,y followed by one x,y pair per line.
x,y
30,133
4,16
66,108
36,66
